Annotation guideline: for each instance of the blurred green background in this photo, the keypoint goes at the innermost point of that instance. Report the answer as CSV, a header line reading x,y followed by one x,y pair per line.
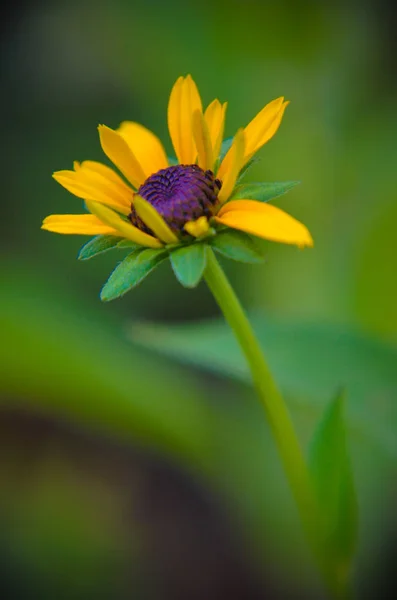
x,y
125,473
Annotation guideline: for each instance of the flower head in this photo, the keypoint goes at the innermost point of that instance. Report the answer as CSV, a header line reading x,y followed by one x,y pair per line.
x,y
161,207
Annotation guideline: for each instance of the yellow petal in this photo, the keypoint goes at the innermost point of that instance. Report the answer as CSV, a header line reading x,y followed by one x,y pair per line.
x,y
184,101
198,228
117,150
260,130
154,220
146,147
231,165
78,224
89,185
105,171
203,141
215,118
263,126
264,220
126,229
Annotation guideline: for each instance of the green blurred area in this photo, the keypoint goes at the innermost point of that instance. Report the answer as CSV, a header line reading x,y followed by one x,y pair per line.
x,y
140,459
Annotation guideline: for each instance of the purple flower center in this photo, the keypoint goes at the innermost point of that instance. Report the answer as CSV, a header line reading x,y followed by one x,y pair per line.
x,y
180,193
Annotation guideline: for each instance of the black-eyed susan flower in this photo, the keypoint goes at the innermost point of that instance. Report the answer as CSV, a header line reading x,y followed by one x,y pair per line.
x,y
162,207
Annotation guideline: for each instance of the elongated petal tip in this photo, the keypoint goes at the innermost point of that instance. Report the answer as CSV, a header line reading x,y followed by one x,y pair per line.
x,y
308,241
117,150
265,221
145,146
184,100
83,224
263,127
58,174
93,181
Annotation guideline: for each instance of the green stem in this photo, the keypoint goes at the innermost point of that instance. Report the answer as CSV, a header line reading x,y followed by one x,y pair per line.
x,y
280,422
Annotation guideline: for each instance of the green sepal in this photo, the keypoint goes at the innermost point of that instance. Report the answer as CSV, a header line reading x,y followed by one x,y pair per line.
x,y
262,191
131,271
247,167
333,483
225,147
237,245
124,243
188,263
97,245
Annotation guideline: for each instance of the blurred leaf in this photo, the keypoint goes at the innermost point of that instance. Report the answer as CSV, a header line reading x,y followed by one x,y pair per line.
x,y
86,372
189,263
131,271
375,292
97,245
307,359
262,191
77,363
333,481
237,245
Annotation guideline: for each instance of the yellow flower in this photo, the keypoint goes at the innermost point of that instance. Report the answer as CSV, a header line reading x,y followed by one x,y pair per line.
x,y
159,203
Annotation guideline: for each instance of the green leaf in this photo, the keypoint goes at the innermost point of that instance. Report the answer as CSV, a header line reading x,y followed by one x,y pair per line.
x,y
262,191
131,271
307,360
97,245
333,482
237,245
189,263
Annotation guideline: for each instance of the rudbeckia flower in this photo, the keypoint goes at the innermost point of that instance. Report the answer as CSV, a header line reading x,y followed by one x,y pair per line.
x,y
162,207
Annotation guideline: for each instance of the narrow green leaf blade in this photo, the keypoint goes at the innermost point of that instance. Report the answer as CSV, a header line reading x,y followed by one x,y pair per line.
x,y
97,245
262,191
189,263
333,481
131,271
237,245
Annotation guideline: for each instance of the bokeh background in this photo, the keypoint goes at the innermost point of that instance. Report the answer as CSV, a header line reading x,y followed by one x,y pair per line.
x,y
125,473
